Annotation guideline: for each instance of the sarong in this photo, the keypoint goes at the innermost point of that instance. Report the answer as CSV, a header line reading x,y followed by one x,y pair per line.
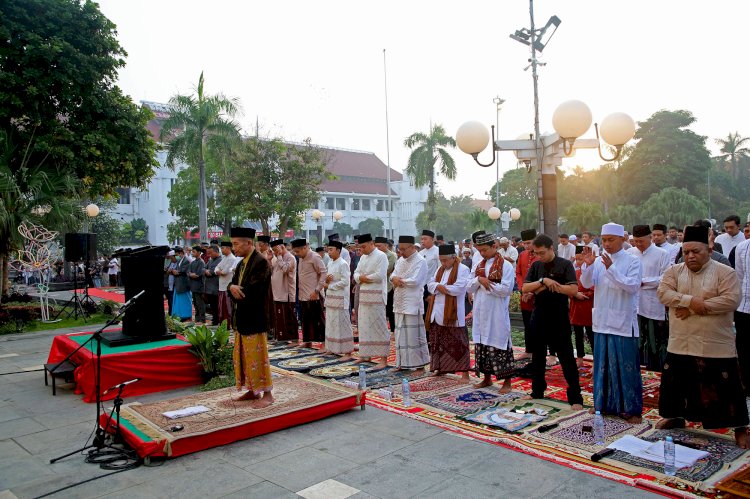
x,y
339,336
285,323
182,305
313,320
449,349
225,308
251,366
374,336
705,390
411,341
618,388
653,342
492,360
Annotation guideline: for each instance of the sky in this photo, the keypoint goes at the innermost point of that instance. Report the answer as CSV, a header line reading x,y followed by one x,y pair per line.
x,y
316,69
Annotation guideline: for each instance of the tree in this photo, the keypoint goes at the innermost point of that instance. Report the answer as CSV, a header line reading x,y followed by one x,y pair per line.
x,y
427,150
626,215
732,149
197,124
584,216
374,226
134,232
673,206
107,229
344,230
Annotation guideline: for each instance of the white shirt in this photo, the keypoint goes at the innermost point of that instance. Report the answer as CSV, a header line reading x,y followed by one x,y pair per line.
x,y
491,321
593,246
337,294
375,267
671,249
409,299
114,267
654,262
566,251
476,257
432,258
346,256
616,294
742,268
227,264
511,252
728,242
457,289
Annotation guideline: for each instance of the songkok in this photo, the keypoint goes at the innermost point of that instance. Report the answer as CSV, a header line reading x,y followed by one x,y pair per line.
x,y
573,237
214,241
406,239
579,250
242,232
336,244
440,237
364,238
475,235
390,241
299,243
447,250
264,239
486,239
170,253
276,242
695,234
197,248
333,237
528,234
381,239
504,240
428,233
355,238
613,229
226,243
660,227
641,230
319,249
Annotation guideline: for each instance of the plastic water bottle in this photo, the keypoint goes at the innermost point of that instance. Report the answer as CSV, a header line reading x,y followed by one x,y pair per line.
x,y
362,378
669,467
598,428
407,392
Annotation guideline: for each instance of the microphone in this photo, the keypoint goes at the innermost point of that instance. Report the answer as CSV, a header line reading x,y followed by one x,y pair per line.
x,y
133,299
598,456
121,385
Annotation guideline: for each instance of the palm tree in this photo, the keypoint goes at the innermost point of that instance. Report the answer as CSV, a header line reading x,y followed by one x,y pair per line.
x,y
732,149
197,123
427,150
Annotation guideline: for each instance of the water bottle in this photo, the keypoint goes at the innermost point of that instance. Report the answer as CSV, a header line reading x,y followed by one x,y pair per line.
x,y
407,392
598,428
669,468
362,378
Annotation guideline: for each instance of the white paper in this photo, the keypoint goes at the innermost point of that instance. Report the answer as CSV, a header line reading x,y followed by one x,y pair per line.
x,y
188,411
654,451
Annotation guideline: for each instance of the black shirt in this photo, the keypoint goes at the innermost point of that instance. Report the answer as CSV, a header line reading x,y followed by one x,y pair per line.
x,y
559,270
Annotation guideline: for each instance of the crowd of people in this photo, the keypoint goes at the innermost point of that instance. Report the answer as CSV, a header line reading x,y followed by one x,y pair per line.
x,y
666,299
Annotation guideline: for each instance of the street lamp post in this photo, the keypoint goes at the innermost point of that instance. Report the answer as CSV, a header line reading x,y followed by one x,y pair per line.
x,y
318,216
498,104
91,211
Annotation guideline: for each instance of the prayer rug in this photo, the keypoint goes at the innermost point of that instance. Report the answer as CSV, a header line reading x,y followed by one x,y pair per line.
x,y
390,378
469,399
307,362
339,371
570,431
289,353
431,385
512,419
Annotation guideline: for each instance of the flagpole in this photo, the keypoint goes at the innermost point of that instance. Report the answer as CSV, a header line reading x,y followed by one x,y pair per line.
x,y
388,150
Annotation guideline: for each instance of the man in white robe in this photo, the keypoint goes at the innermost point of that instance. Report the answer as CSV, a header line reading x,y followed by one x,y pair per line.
x,y
372,275
409,278
339,337
492,284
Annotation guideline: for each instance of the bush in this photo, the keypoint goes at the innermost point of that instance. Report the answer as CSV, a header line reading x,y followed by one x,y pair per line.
x,y
208,345
109,307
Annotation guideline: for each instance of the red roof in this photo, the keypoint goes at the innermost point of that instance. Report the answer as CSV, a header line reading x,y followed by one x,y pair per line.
x,y
358,187
345,163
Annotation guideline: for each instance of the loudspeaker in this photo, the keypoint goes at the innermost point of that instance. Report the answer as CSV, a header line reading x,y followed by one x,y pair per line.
x,y
143,269
80,247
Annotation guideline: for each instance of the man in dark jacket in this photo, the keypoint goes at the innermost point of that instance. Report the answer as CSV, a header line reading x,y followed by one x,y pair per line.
x,y
249,292
195,274
211,291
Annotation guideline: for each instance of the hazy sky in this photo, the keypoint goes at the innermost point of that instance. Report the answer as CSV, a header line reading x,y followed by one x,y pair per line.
x,y
315,69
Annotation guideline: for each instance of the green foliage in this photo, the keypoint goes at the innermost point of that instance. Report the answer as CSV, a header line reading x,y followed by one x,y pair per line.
x,y
134,232
733,149
343,229
207,344
454,217
672,206
584,216
108,230
374,226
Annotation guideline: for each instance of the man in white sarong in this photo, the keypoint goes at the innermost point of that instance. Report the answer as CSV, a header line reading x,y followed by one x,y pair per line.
x,y
372,276
409,278
492,284
339,337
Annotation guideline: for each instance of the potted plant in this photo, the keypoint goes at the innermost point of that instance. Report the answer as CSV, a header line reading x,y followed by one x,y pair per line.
x,y
207,344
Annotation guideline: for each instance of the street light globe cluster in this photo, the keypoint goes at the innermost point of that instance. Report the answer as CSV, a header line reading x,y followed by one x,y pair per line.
x,y
515,214
92,210
338,216
472,137
494,213
317,214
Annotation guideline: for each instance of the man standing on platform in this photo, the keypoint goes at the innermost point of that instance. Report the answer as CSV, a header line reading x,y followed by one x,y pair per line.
x,y
249,291
170,264
449,344
430,254
616,275
701,377
211,292
311,276
225,271
182,306
371,276
263,246
339,336
197,285
409,278
525,259
284,287
381,243
652,319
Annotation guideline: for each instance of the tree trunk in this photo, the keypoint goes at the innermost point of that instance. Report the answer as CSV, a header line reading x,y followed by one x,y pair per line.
x,y
202,214
3,276
431,199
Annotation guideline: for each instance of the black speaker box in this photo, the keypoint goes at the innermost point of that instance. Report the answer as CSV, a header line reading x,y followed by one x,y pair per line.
x,y
80,247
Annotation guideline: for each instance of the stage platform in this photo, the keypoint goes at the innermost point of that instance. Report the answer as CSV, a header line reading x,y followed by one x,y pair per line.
x,y
161,365
299,399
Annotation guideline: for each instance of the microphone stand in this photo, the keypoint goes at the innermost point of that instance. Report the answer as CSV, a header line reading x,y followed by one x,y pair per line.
x,y
99,438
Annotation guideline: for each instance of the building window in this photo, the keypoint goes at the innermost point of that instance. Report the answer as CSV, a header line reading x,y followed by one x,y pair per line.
x,y
355,204
340,203
330,203
381,205
124,193
365,205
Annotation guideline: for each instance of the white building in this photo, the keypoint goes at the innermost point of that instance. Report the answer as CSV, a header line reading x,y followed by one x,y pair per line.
x,y
359,192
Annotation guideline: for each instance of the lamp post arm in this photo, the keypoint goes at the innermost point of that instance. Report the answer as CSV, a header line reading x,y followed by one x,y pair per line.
x,y
618,149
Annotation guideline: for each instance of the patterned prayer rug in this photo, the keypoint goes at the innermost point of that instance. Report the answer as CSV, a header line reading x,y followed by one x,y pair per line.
x,y
339,371
469,399
288,353
391,378
431,385
306,362
512,419
570,431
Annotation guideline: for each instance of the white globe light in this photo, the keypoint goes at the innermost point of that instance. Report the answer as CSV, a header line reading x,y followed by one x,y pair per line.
x,y
524,136
321,214
338,215
571,119
92,210
316,214
494,213
515,213
617,129
472,137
